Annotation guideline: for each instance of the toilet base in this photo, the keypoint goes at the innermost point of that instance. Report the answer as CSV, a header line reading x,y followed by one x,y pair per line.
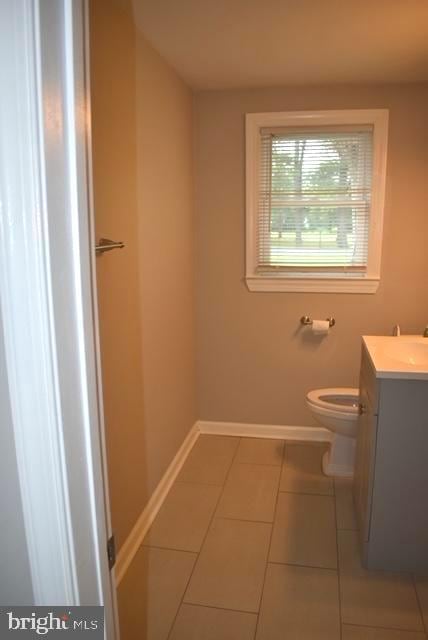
x,y
340,458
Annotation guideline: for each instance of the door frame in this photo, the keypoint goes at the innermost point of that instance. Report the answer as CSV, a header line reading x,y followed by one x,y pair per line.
x,y
48,301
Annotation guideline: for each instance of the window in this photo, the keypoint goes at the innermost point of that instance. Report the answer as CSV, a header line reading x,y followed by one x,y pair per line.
x,y
315,192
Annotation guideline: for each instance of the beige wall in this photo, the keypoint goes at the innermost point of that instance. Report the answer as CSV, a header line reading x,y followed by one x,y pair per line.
x,y
165,257
142,191
254,363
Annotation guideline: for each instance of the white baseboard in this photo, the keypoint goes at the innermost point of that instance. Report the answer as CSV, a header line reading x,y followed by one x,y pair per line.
x,y
282,432
135,538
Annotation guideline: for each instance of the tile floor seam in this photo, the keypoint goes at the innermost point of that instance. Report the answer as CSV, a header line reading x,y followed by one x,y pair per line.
x,y
269,546
303,566
371,626
284,453
157,546
307,493
203,541
424,626
245,520
339,595
217,608
260,464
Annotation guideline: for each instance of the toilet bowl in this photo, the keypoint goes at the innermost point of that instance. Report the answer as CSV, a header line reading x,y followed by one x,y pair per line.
x,y
337,410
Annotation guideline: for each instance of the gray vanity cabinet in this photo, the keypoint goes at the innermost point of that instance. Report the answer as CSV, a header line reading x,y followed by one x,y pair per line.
x,y
391,471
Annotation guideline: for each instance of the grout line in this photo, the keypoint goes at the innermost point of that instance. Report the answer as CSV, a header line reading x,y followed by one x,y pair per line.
x,y
283,465
270,522
367,626
156,546
284,453
204,539
211,606
303,566
307,493
424,626
260,464
339,595
270,544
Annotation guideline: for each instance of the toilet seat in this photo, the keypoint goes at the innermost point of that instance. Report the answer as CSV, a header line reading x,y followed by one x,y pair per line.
x,y
337,410
336,399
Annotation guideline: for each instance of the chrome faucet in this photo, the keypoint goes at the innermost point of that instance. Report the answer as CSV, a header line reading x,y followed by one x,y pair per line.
x,y
396,331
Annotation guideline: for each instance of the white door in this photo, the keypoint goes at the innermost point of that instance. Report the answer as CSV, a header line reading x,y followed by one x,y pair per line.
x,y
48,301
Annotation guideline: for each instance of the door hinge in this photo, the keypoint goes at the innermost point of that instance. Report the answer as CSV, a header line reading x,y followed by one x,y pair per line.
x,y
111,552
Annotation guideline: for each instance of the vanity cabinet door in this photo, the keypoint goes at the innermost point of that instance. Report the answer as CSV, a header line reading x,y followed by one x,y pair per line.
x,y
364,463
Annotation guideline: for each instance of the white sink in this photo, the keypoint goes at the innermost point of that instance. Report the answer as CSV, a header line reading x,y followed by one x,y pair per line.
x,y
398,357
410,353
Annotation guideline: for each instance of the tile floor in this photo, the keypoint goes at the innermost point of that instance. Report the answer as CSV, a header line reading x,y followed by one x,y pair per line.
x,y
254,543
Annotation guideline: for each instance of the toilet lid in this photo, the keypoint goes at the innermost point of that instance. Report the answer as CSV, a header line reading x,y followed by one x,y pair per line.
x,y
343,399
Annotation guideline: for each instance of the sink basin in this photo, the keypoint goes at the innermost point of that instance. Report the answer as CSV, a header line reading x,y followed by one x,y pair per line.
x,y
404,357
410,353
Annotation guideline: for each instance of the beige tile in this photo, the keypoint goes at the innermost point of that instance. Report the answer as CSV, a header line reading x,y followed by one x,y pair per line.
x,y
302,471
422,589
230,569
374,598
151,591
184,517
250,492
345,511
304,531
370,633
260,451
210,460
299,603
202,623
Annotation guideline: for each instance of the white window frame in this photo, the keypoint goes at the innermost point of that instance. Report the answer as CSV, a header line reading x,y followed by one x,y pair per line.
x,y
337,283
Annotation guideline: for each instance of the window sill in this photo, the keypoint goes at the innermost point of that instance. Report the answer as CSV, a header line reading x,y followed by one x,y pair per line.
x,y
312,285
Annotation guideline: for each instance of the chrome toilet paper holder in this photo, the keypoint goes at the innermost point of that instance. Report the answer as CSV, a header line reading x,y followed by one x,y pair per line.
x,y
306,320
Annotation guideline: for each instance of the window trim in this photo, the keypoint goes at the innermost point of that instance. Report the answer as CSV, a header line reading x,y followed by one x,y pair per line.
x,y
366,283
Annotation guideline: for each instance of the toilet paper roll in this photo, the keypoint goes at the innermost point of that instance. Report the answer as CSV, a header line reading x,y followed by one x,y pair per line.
x,y
320,327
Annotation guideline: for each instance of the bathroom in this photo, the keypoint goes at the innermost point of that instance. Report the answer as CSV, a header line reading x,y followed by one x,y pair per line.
x,y
188,349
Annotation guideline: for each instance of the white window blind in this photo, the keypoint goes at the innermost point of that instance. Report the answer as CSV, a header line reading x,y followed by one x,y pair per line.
x,y
314,200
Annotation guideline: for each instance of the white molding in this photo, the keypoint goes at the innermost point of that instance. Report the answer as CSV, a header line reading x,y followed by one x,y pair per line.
x,y
150,511
46,250
336,284
282,432
312,285
105,526
27,309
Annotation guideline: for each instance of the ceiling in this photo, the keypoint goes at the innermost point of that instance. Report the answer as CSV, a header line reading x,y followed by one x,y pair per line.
x,y
223,44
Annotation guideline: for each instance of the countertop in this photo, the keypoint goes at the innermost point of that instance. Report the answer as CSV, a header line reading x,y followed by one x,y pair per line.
x,y
403,357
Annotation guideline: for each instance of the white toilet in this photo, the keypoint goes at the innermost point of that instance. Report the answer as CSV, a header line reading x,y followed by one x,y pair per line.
x,y
337,410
